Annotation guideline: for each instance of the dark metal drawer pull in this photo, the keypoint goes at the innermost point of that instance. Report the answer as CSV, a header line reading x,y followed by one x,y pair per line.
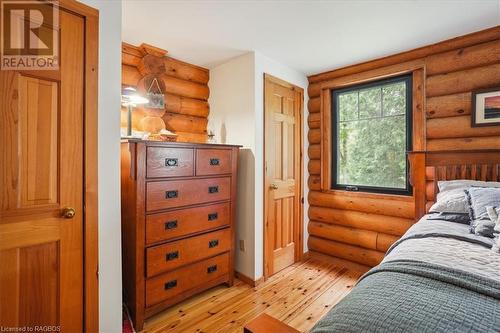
x,y
171,194
213,189
213,243
211,269
171,162
172,255
214,161
213,216
171,284
171,224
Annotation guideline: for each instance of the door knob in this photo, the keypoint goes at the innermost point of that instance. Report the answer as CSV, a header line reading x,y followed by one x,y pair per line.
x,y
274,186
68,212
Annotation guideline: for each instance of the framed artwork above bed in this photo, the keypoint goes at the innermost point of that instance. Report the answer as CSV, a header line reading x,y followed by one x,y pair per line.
x,y
486,107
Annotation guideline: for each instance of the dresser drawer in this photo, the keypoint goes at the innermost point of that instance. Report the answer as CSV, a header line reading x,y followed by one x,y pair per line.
x,y
172,255
178,193
164,226
213,161
169,162
176,282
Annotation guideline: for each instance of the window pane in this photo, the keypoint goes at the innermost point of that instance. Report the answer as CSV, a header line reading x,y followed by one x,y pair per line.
x,y
371,140
348,106
372,152
394,99
370,103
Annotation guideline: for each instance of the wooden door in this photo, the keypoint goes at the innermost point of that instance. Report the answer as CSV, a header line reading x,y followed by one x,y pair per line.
x,y
41,177
283,174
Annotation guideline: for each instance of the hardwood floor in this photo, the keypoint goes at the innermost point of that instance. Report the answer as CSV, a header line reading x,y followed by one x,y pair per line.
x,y
298,295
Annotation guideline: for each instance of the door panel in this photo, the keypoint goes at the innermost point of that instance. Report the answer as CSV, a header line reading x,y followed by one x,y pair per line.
x,y
41,173
283,104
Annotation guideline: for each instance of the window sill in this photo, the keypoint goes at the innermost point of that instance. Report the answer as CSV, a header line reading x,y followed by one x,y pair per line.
x,y
398,197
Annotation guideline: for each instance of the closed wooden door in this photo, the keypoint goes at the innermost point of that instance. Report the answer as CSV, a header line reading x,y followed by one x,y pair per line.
x,y
41,177
283,175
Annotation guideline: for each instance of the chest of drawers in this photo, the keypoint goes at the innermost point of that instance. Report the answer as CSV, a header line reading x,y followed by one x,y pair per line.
x,y
178,209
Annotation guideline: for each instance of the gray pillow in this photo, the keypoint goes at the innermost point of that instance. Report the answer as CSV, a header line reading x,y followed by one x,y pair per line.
x,y
478,200
451,197
462,218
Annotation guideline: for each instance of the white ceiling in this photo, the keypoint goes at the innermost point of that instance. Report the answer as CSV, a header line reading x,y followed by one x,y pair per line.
x,y
310,36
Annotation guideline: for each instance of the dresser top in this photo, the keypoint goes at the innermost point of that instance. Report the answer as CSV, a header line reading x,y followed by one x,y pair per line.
x,y
177,144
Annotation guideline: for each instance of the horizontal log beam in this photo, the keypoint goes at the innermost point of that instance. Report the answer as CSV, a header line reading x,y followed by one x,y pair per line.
x,y
187,106
130,75
363,238
182,123
349,218
314,105
314,183
384,242
352,236
314,136
483,36
185,88
314,120
314,167
487,142
314,152
364,204
345,251
132,55
457,127
463,58
449,105
463,81
314,90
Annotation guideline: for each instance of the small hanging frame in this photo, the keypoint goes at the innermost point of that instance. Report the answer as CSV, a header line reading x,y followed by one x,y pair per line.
x,y
156,99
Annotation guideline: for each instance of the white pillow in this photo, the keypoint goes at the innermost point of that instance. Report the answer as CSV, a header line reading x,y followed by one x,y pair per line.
x,y
494,214
452,201
451,197
463,184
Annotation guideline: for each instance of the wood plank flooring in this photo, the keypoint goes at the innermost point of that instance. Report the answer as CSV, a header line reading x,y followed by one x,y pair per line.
x,y
298,295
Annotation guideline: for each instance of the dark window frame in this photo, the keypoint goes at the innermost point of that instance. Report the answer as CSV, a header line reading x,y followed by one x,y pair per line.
x,y
408,190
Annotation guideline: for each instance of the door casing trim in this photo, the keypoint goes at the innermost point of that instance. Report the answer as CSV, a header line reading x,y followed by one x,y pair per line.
x,y
90,167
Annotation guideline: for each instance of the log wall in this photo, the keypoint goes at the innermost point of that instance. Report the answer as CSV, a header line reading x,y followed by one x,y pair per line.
x,y
185,87
360,227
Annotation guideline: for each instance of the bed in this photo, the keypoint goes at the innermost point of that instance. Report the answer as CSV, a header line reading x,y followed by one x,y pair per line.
x,y
439,277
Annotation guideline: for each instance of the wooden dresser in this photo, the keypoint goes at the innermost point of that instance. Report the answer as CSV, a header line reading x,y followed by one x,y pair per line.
x,y
178,209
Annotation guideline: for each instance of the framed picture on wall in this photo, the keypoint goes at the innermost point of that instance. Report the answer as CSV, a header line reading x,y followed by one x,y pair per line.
x,y
486,107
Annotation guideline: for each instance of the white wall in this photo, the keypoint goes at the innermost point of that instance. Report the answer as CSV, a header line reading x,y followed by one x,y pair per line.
x,y
110,276
232,118
237,102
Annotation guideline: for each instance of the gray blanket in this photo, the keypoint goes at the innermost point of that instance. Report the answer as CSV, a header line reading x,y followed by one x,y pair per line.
x,y
426,283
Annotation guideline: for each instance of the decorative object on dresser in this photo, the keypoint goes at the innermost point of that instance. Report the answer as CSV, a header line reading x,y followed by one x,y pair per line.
x,y
178,211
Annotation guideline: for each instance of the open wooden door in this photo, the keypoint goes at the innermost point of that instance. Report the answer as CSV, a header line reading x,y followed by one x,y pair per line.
x,y
46,172
283,104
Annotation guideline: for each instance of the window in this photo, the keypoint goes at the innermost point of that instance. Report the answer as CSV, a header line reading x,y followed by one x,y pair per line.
x,y
371,129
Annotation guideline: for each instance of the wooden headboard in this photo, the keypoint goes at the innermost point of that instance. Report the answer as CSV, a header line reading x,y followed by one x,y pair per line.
x,y
429,167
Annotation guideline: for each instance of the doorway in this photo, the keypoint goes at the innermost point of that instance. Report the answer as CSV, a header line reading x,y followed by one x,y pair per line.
x,y
283,174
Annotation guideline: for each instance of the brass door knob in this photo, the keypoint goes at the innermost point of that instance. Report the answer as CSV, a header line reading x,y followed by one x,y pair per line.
x,y
274,186
68,212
